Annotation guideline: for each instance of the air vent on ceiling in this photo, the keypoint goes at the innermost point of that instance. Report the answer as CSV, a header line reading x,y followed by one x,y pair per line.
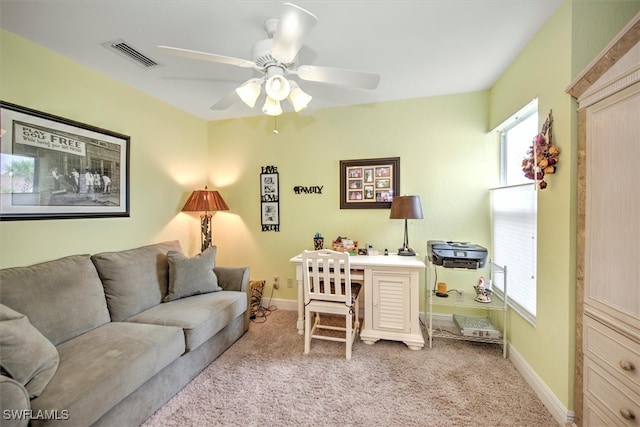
x,y
123,48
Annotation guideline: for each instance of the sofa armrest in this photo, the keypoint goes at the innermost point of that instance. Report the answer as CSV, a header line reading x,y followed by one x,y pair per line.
x,y
236,279
15,404
233,278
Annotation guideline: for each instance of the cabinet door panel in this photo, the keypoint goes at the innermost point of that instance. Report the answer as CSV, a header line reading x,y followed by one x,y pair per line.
x,y
391,296
612,270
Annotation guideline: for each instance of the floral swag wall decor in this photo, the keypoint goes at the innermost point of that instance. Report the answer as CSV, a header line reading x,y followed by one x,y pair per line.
x,y
542,157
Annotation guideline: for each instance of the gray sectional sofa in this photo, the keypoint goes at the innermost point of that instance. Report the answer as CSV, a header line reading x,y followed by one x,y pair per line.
x,y
107,339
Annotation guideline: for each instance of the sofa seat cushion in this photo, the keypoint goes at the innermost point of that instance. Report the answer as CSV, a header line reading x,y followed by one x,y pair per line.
x,y
62,298
134,279
200,316
102,367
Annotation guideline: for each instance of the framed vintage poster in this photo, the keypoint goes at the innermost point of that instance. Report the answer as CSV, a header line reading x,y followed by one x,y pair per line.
x,y
369,183
55,168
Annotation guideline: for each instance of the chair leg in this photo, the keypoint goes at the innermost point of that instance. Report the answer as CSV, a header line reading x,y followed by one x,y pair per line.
x,y
349,334
357,316
307,331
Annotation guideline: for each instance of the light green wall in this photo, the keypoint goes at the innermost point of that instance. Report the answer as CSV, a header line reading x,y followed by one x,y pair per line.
x,y
595,23
543,70
167,160
444,158
570,40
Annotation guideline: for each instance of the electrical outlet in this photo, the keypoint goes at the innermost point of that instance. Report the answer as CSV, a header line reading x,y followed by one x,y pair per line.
x,y
289,282
276,282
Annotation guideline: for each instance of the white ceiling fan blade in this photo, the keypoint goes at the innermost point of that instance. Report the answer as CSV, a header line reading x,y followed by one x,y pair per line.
x,y
194,54
338,76
227,101
294,26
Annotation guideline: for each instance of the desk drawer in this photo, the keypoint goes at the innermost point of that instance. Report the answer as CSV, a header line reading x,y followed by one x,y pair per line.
x,y
614,399
619,354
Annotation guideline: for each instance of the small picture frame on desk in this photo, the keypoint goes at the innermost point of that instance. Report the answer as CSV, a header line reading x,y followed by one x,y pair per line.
x,y
369,183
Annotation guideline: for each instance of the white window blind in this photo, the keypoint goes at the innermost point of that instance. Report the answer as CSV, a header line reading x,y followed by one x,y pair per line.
x,y
514,228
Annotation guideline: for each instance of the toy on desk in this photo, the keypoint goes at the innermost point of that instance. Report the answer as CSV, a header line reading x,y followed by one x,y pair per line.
x,y
318,242
482,293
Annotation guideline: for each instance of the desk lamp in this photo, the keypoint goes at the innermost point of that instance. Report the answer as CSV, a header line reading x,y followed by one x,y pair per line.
x,y
406,207
207,201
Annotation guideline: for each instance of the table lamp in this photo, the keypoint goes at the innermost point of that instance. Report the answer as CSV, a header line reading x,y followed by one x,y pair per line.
x,y
406,207
207,201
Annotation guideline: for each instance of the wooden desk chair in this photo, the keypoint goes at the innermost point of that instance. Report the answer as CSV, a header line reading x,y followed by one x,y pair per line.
x,y
328,289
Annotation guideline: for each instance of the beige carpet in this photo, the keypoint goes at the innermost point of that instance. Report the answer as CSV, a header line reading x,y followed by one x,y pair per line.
x,y
264,379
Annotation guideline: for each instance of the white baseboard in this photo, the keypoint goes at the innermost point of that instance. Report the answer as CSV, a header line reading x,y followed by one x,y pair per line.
x,y
282,304
557,409
544,393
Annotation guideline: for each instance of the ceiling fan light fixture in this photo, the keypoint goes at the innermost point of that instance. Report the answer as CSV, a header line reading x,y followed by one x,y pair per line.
x,y
276,58
272,107
277,87
249,92
298,98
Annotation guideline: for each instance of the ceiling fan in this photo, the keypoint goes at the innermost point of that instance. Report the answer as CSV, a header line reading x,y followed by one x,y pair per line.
x,y
276,58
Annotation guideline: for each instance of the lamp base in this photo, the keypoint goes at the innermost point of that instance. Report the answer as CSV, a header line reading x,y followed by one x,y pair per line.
x,y
406,252
205,231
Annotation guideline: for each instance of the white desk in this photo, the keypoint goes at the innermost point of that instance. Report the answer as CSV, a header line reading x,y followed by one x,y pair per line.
x,y
391,297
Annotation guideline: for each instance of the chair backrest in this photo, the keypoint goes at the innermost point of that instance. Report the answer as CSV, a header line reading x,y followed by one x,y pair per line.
x,y
326,276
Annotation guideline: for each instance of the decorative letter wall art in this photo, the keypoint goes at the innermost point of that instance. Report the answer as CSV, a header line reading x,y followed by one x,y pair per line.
x,y
270,199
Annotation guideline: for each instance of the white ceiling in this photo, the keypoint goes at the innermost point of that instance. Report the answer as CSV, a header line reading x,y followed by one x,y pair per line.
x,y
420,48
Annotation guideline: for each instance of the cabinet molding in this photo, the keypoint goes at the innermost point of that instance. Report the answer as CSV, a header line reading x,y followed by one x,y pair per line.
x,y
611,75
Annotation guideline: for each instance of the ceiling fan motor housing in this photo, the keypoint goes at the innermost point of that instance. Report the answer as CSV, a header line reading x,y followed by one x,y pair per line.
x,y
261,55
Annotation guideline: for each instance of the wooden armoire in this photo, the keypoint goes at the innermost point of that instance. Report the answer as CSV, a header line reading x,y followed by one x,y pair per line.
x,y
608,271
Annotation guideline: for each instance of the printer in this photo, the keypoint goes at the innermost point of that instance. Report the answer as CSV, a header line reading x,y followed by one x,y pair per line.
x,y
456,254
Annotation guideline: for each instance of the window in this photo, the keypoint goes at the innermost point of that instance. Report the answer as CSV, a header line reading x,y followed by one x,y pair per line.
x,y
514,213
515,140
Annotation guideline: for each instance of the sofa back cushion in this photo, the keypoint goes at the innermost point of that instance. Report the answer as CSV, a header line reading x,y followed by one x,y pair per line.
x,y
62,298
135,279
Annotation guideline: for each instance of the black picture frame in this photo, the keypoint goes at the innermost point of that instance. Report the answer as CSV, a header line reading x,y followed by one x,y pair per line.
x,y
56,168
369,183
270,198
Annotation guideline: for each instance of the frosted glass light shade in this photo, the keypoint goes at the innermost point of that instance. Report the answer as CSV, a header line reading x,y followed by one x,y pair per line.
x,y
277,87
249,92
272,107
298,98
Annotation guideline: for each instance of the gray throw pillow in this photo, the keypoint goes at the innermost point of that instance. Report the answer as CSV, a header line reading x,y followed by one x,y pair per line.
x,y
27,356
136,279
191,276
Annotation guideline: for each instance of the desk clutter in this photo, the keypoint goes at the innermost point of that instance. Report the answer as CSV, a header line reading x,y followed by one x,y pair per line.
x,y
344,244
